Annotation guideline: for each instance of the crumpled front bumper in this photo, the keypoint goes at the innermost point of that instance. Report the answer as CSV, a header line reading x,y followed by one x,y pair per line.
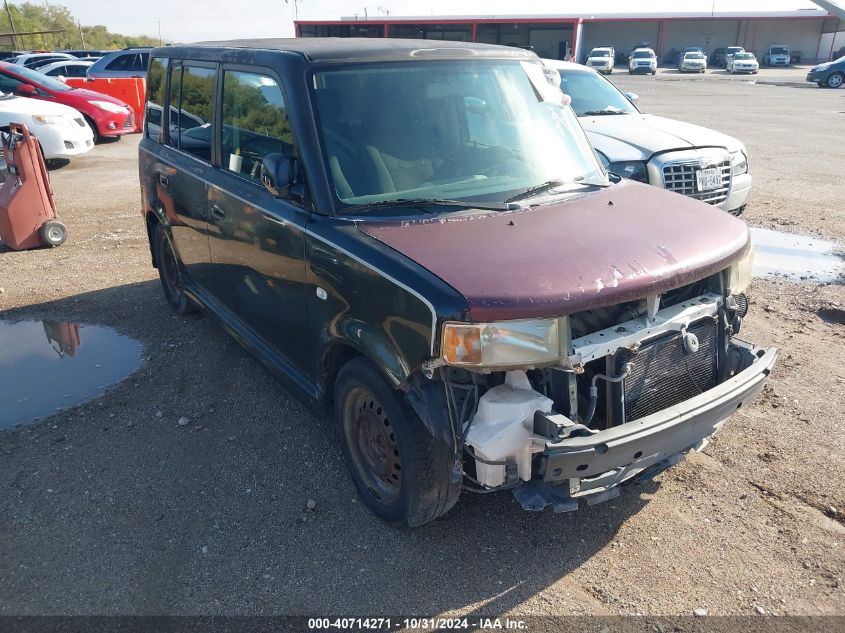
x,y
593,465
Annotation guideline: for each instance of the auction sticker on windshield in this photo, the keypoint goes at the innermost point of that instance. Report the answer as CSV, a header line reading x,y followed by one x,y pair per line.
x,y
708,179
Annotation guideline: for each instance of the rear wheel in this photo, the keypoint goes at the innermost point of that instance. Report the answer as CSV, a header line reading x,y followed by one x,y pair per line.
x,y
170,272
835,80
53,233
401,472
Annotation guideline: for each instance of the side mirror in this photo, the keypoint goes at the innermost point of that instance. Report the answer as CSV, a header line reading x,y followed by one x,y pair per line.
x,y
25,89
632,96
279,174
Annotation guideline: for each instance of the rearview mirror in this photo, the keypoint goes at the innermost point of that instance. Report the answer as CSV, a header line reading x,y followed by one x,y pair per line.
x,y
632,96
279,173
25,89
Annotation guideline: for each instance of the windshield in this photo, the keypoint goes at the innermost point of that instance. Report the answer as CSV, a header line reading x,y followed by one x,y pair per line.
x,y
778,50
694,56
592,94
482,130
600,53
744,56
643,54
41,79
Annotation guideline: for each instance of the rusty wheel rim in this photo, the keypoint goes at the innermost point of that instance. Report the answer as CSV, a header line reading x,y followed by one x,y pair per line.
x,y
372,444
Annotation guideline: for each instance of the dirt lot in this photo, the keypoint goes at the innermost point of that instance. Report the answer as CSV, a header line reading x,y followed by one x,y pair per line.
x,y
110,509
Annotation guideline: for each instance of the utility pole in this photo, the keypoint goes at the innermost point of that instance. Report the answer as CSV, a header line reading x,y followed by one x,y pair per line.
x,y
81,34
159,34
11,23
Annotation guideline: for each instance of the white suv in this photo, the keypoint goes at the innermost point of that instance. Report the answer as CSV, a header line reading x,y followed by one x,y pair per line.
x,y
602,59
642,60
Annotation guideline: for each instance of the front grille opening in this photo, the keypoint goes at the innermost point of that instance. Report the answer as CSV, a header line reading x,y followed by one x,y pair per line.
x,y
664,373
682,178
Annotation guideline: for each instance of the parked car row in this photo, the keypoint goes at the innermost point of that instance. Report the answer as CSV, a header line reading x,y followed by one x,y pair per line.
x,y
129,62
690,59
67,121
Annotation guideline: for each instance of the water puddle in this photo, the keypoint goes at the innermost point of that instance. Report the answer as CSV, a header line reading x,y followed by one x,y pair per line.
x,y
796,257
49,365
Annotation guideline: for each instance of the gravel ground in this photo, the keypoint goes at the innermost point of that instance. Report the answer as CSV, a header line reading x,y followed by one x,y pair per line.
x,y
111,508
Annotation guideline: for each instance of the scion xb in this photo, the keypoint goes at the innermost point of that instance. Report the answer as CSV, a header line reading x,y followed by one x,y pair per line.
x,y
417,239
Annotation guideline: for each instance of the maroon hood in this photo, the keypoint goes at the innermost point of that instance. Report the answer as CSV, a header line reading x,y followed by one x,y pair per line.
x,y
622,243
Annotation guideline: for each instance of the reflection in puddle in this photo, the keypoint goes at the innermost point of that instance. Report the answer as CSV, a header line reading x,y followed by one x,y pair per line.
x,y
795,257
47,365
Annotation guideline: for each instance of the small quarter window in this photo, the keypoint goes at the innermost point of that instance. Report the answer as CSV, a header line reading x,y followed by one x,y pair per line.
x,y
156,84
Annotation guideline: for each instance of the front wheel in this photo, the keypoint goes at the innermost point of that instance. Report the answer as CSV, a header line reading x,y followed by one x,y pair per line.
x,y
401,472
835,80
170,272
94,129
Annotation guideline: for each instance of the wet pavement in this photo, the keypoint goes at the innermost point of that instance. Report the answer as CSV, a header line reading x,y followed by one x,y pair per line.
x,y
48,365
796,257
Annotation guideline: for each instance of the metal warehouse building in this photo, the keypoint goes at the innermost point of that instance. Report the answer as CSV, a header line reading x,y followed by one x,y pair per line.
x,y
814,33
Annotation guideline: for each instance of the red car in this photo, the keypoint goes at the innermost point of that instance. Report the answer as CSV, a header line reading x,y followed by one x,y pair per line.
x,y
106,115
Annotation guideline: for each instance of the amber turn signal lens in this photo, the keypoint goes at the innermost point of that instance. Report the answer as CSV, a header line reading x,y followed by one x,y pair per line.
x,y
462,344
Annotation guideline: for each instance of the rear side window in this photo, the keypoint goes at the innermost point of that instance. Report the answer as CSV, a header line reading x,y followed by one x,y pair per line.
x,y
255,122
121,62
130,62
156,84
191,107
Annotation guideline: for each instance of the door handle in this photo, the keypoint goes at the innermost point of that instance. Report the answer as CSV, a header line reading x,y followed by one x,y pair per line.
x,y
218,212
163,180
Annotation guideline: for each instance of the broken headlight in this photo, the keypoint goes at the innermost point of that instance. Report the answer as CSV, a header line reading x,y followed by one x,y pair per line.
x,y
739,274
633,170
524,343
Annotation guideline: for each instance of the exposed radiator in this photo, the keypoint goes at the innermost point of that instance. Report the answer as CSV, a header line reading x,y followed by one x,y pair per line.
x,y
664,374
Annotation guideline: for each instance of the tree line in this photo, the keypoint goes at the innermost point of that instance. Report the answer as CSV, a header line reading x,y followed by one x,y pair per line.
x,y
28,17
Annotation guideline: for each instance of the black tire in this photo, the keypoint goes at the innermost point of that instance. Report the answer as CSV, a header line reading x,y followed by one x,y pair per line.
x,y
835,80
53,233
170,272
93,126
401,472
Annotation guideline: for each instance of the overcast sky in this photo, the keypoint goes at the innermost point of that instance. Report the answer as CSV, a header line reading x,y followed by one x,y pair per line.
x,y
192,20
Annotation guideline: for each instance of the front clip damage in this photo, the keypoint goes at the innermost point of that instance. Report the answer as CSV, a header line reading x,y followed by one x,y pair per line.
x,y
536,495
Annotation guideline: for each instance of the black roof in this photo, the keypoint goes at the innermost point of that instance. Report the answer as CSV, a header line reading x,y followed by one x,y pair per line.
x,y
363,48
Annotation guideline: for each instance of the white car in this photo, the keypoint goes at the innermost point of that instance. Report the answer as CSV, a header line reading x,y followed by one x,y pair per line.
x,y
688,159
777,55
29,58
743,63
66,68
602,59
61,130
693,62
642,60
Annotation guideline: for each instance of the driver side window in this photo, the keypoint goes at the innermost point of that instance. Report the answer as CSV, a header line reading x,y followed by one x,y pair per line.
x,y
255,123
